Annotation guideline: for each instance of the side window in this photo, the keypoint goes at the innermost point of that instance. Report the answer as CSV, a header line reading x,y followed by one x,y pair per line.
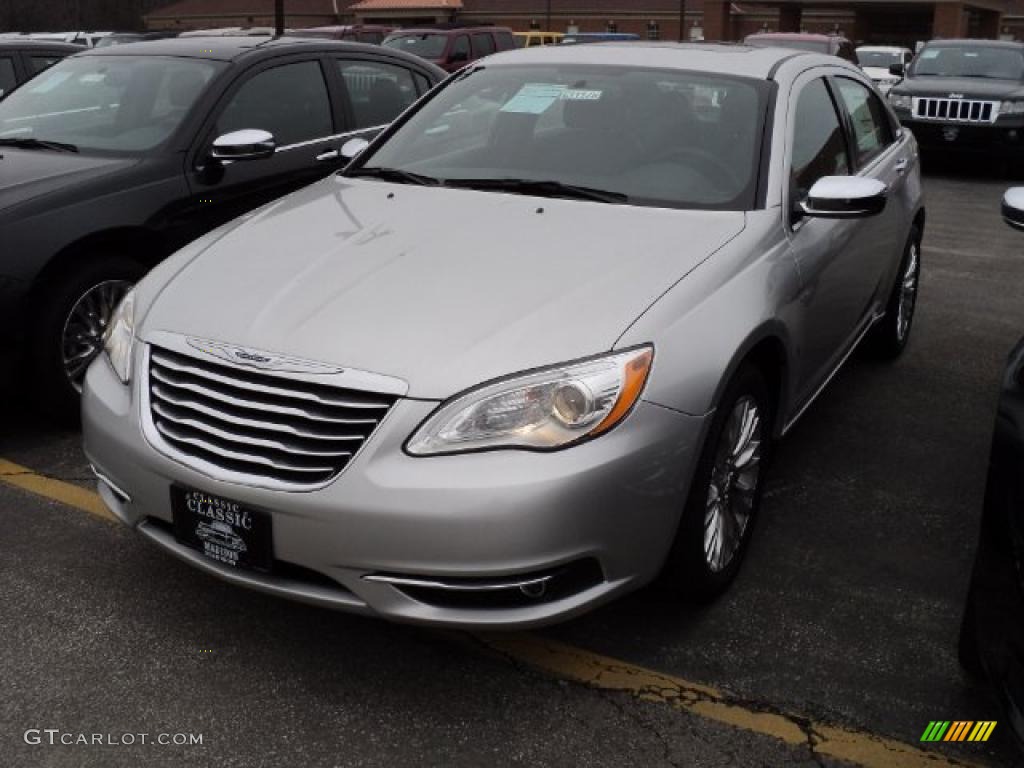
x,y
461,47
872,130
290,101
505,41
7,81
819,148
378,92
483,44
43,61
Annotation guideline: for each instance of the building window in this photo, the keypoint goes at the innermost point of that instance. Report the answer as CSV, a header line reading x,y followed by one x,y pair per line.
x,y
613,27
653,31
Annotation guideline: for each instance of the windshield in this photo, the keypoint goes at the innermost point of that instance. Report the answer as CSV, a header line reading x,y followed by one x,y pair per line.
x,y
961,61
878,58
110,103
426,45
663,138
818,46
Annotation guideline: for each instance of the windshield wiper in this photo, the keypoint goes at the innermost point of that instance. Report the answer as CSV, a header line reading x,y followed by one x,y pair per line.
x,y
542,188
396,175
25,143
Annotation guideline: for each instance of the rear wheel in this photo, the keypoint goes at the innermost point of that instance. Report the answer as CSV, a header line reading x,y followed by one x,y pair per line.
x,y
890,335
725,493
68,330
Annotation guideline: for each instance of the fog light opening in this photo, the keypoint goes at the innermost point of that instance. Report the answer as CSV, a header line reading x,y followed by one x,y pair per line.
x,y
536,590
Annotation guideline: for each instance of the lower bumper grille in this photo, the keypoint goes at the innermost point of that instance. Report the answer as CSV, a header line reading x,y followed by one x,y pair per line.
x,y
292,432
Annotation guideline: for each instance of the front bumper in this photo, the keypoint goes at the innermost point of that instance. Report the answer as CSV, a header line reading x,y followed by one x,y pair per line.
x,y
999,137
599,516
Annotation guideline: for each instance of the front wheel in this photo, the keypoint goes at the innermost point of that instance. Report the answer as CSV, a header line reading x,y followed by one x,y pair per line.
x,y
890,335
725,495
69,328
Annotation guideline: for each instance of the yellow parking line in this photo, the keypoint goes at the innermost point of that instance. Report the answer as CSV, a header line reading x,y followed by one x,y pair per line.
x,y
569,663
57,490
575,664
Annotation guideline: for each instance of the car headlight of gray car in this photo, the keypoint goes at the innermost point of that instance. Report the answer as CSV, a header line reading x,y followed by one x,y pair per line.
x,y
545,409
119,338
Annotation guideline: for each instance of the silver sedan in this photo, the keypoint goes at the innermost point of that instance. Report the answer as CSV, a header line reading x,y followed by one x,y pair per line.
x,y
531,349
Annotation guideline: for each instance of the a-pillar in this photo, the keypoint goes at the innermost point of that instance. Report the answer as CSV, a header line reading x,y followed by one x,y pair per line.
x,y
717,22
950,20
789,18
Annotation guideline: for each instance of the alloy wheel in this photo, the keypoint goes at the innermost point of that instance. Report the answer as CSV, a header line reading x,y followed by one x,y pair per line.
x,y
734,482
86,323
908,292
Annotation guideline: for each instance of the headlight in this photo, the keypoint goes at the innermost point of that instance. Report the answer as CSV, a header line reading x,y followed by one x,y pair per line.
x,y
550,408
1011,108
901,101
119,338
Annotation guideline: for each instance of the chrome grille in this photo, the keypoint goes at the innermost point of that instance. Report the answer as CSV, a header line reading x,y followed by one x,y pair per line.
x,y
249,423
956,110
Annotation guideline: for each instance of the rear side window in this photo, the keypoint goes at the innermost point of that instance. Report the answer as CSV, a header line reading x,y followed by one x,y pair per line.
x,y
377,92
44,61
505,41
872,131
461,46
819,148
483,44
7,80
290,101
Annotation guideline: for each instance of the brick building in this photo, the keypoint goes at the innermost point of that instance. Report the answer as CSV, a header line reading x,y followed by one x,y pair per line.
x,y
876,21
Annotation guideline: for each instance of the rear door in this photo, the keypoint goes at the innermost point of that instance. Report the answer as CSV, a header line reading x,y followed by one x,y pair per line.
x,y
290,98
374,91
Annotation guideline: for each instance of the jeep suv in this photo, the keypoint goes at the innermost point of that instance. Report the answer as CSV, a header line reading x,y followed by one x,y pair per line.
x,y
964,95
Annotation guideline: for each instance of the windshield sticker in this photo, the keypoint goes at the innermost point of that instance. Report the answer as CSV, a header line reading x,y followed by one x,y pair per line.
x,y
50,82
930,53
534,98
578,94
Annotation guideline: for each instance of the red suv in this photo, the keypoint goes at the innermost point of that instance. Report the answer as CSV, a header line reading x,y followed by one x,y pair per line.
x,y
357,33
451,49
833,45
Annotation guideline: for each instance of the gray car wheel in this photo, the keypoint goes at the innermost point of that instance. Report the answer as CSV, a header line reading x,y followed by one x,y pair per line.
x,y
890,335
725,493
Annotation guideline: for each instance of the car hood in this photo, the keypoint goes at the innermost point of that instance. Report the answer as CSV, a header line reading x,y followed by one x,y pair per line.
x,y
29,173
879,73
970,87
443,288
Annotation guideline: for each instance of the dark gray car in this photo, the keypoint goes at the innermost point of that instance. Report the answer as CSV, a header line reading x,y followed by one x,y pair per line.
x,y
114,158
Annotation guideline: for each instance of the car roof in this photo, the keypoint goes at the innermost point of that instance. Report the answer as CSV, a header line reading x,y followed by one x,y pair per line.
x,y
795,36
452,31
965,43
229,48
723,58
48,45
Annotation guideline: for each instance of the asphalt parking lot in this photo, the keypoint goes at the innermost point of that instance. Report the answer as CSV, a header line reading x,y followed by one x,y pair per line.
x,y
843,620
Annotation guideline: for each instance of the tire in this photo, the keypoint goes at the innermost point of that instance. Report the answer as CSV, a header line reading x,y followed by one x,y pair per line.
x,y
693,570
890,335
91,289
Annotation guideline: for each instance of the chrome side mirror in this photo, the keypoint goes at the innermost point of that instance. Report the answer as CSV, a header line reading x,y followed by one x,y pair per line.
x,y
844,197
1013,207
247,144
353,147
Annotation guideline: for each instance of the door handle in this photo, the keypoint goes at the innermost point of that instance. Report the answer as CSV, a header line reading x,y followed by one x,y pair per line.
x,y
901,165
330,154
